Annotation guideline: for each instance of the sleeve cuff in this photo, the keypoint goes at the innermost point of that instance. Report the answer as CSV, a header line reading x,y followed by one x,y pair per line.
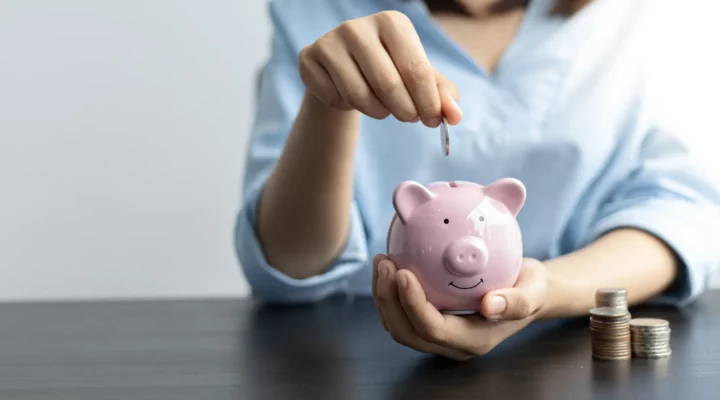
x,y
272,285
686,228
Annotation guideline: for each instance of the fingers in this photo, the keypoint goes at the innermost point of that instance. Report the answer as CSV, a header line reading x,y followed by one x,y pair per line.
x,y
382,76
376,261
318,80
378,66
469,335
405,48
413,321
347,78
521,301
427,321
399,326
449,97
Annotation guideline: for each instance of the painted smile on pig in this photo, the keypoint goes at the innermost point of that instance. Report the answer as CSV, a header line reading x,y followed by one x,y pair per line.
x,y
465,288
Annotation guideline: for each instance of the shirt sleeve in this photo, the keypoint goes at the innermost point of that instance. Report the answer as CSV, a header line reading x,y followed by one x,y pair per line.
x,y
676,200
279,96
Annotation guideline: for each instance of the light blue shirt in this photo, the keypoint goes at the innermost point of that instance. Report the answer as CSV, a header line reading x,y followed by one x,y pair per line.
x,y
571,111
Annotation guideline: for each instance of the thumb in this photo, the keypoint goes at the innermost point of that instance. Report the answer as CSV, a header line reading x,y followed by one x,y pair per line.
x,y
522,300
449,97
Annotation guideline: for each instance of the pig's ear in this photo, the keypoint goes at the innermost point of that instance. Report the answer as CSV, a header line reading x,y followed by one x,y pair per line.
x,y
509,191
407,197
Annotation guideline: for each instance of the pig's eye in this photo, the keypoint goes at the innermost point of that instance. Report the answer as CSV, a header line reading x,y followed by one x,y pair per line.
x,y
447,221
481,218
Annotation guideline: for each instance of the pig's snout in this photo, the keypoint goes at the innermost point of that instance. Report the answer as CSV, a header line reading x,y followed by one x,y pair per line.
x,y
466,256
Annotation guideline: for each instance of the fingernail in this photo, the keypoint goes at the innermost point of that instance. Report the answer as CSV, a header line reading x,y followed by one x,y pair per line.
x,y
416,119
497,305
403,281
433,122
454,103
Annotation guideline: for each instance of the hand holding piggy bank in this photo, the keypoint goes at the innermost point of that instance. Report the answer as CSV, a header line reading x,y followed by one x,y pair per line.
x,y
460,239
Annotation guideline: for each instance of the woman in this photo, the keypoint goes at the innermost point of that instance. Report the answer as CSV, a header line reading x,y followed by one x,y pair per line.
x,y
554,93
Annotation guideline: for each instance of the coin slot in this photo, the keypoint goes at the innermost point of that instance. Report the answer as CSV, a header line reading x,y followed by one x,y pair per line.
x,y
453,184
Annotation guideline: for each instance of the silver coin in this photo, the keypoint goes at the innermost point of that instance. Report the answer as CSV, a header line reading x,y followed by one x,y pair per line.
x,y
658,328
649,328
654,355
644,338
611,294
649,323
654,338
608,312
644,334
445,137
638,340
651,349
650,332
618,321
612,291
611,303
651,344
658,338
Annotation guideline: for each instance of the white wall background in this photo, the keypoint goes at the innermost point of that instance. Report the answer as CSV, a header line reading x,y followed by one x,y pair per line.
x,y
122,134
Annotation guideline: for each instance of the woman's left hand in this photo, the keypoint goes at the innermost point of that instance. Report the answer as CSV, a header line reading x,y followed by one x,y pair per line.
x,y
414,322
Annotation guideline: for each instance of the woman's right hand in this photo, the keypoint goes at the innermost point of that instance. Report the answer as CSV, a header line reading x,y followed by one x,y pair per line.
x,y
377,65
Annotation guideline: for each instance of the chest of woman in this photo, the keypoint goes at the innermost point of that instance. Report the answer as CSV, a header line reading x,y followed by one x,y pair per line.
x,y
555,134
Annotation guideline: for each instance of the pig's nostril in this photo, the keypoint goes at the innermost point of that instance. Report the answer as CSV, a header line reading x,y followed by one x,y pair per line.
x,y
465,257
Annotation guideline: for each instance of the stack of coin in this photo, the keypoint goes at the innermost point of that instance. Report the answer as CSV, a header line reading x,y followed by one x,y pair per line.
x,y
611,297
610,333
650,337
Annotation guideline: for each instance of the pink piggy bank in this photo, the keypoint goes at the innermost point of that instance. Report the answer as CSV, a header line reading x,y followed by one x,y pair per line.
x,y
460,239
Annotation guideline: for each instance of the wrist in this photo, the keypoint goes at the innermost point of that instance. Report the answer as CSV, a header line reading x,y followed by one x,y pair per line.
x,y
558,302
314,107
327,135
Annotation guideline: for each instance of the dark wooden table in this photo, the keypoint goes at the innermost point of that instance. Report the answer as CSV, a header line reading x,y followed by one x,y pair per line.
x,y
242,350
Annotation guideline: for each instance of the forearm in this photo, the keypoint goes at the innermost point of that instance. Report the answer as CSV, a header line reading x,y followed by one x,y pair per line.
x,y
624,258
304,210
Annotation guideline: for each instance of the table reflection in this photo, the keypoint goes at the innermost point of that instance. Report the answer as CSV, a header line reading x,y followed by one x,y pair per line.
x,y
286,344
339,350
496,375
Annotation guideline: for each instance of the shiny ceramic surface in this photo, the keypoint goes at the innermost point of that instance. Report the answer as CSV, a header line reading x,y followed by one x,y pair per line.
x,y
461,239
